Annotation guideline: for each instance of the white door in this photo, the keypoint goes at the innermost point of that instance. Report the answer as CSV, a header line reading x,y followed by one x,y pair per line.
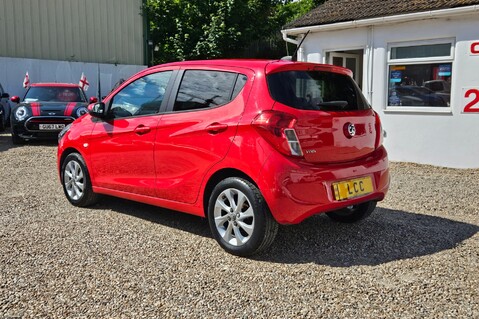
x,y
347,60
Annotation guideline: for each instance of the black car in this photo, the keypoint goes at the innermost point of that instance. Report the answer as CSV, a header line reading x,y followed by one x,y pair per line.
x,y
4,109
46,109
417,96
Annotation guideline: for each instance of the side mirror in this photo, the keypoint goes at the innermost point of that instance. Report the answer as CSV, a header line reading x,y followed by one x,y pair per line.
x,y
97,110
15,99
93,99
5,96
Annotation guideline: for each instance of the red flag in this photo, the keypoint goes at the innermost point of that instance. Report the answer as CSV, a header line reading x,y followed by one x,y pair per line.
x,y
84,84
26,81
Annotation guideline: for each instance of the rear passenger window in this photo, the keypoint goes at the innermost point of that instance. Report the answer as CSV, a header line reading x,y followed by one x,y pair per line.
x,y
202,89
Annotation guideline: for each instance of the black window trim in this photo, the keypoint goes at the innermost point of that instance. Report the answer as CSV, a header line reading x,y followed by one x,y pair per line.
x,y
232,91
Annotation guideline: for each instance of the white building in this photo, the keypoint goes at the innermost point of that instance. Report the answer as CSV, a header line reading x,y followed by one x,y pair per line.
x,y
417,62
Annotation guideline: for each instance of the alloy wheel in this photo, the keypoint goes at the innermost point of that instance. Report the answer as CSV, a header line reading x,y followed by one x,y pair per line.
x,y
74,180
234,217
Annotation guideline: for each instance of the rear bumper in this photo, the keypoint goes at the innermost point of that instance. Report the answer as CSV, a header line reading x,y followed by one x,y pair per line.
x,y
295,190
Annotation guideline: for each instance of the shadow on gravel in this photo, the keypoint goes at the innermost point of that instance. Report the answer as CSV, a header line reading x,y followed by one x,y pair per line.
x,y
178,220
387,235
6,142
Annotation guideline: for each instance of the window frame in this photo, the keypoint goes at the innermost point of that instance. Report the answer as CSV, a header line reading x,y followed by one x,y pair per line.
x,y
126,84
449,59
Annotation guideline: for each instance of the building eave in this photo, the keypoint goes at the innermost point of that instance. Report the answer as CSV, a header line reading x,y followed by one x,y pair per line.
x,y
433,14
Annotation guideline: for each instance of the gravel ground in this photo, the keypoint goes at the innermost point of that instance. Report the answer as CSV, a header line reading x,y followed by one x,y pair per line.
x,y
417,256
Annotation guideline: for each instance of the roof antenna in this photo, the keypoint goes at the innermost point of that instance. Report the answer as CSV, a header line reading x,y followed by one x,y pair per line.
x,y
295,54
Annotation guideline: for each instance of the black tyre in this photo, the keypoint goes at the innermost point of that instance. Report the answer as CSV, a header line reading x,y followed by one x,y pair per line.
x,y
17,139
76,181
239,218
353,213
3,121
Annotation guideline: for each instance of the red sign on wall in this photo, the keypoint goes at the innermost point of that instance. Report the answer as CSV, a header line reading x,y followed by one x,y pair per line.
x,y
471,100
474,48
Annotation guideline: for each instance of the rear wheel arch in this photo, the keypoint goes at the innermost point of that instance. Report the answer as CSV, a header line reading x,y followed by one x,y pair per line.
x,y
218,177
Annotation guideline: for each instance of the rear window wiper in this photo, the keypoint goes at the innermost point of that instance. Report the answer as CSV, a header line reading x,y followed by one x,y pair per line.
x,y
341,104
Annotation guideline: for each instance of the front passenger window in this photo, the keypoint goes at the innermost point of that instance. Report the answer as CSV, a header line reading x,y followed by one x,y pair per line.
x,y
141,97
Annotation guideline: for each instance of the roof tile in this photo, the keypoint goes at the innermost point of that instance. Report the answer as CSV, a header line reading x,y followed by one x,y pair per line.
x,y
334,11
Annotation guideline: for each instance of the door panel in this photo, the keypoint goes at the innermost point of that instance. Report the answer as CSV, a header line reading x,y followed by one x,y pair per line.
x,y
189,143
122,154
122,147
185,150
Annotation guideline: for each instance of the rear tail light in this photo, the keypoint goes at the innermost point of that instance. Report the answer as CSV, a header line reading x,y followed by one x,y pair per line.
x,y
379,131
278,129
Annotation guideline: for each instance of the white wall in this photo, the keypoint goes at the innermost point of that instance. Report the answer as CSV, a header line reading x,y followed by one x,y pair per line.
x,y
12,73
450,139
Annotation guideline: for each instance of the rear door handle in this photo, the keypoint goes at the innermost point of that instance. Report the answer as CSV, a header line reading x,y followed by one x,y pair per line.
x,y
142,129
216,128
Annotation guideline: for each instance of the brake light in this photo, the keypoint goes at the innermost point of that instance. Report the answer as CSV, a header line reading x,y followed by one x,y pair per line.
x,y
278,129
379,131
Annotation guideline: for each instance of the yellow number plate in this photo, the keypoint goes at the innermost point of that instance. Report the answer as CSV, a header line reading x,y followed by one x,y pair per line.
x,y
353,188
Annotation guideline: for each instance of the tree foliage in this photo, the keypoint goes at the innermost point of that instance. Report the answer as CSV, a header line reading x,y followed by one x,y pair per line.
x,y
202,29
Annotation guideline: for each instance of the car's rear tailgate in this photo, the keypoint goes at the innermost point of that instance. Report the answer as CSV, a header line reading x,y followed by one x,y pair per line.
x,y
341,136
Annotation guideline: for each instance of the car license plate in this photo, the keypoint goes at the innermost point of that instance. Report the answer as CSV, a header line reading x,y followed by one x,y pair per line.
x,y
352,188
52,127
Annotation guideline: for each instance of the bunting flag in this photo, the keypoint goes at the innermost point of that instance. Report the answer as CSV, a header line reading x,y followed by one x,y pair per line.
x,y
84,84
26,81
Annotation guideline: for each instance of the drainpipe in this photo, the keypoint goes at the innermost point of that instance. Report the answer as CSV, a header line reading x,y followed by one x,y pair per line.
x,y
285,38
295,42
370,63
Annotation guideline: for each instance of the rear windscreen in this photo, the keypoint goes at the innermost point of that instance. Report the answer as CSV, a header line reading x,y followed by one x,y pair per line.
x,y
316,90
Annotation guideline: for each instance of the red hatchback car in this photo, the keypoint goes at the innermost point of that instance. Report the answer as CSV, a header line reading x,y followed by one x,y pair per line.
x,y
248,144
